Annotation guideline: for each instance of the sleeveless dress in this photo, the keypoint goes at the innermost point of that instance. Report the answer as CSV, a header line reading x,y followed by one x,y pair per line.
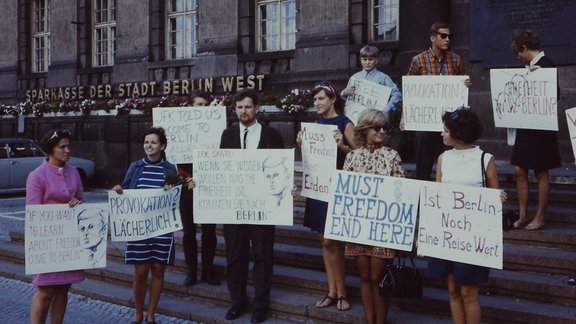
x,y
382,161
159,249
316,210
461,167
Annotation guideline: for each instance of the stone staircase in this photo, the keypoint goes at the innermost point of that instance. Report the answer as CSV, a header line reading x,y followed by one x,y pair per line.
x,y
532,288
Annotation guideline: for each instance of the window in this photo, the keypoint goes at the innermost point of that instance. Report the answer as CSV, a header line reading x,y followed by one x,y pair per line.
x,y
276,25
181,29
104,37
384,20
40,36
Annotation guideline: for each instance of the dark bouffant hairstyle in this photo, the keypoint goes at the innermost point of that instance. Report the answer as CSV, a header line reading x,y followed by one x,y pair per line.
x,y
202,94
246,93
159,131
463,124
331,92
51,139
525,37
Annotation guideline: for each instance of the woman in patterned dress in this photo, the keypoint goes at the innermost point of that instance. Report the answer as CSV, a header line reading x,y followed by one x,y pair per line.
x,y
374,158
149,256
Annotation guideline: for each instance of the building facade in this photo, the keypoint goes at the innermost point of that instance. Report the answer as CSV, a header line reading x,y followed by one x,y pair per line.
x,y
57,50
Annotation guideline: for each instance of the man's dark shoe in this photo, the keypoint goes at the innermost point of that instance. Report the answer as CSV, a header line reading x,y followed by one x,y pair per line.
x,y
258,316
210,278
234,312
190,280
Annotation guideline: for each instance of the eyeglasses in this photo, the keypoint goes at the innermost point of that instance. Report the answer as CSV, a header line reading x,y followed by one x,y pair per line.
x,y
444,35
325,85
60,133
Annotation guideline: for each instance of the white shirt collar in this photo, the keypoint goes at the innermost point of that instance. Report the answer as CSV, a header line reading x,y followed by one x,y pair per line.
x,y
253,137
536,58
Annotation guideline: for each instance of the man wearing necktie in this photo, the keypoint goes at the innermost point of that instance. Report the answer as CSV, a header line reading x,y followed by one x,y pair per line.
x,y
249,134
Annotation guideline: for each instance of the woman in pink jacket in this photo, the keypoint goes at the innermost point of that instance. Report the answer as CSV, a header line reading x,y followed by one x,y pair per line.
x,y
54,182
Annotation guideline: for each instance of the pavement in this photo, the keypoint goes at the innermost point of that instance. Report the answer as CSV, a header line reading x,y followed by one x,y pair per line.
x,y
17,295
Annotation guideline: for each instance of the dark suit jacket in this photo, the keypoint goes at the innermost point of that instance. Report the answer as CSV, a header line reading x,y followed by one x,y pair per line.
x,y
270,138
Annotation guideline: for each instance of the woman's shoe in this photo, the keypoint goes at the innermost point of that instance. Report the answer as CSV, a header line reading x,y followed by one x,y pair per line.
x,y
534,226
327,301
343,304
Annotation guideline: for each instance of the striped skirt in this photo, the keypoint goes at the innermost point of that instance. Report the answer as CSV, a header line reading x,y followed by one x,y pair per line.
x,y
158,249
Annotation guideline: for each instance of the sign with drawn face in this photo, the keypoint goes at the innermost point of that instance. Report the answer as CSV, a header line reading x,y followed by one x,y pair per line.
x,y
525,99
571,120
427,97
252,186
61,238
190,128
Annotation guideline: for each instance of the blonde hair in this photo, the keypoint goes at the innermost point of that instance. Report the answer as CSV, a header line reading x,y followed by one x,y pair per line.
x,y
368,119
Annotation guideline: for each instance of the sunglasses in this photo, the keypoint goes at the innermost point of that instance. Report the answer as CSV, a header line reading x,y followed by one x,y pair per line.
x,y
60,133
444,35
324,85
377,128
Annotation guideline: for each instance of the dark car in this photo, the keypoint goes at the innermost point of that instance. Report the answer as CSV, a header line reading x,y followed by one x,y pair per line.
x,y
19,156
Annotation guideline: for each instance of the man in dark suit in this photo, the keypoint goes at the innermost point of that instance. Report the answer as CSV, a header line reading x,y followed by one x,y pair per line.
x,y
249,134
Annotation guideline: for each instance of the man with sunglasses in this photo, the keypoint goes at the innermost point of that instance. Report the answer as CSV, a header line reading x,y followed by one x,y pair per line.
x,y
437,60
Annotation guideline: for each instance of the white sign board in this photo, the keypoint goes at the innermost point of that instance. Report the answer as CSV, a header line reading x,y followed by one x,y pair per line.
x,y
190,128
571,120
461,223
525,99
319,151
426,97
139,214
235,186
367,95
60,238
372,210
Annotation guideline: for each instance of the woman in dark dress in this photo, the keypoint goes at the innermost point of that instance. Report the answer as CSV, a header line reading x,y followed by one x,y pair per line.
x,y
330,107
533,149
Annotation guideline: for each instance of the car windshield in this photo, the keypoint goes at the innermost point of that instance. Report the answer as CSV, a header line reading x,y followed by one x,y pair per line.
x,y
24,149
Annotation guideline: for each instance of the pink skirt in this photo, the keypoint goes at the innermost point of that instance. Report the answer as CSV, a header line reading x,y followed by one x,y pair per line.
x,y
58,278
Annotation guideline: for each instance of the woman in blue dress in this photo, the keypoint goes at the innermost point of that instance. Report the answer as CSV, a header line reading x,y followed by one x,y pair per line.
x,y
330,107
149,256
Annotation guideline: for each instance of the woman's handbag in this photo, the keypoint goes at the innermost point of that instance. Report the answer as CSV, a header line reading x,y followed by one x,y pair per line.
x,y
509,216
401,280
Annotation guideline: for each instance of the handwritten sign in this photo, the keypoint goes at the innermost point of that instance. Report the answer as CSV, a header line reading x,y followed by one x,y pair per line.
x,y
319,151
461,223
190,128
524,99
373,210
571,120
139,214
367,95
236,186
427,97
60,238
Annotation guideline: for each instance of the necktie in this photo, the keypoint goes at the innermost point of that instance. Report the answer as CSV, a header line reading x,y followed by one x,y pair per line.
x,y
245,136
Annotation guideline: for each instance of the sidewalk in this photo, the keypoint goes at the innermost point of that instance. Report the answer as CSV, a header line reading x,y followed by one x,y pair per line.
x,y
17,295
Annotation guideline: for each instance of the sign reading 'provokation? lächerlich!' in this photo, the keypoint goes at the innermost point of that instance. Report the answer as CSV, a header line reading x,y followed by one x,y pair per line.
x,y
139,214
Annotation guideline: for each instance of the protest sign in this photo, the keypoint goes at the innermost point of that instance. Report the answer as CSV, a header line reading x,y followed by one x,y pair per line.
x,y
372,210
236,186
319,151
139,214
190,128
367,95
525,99
571,120
426,98
461,223
61,238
